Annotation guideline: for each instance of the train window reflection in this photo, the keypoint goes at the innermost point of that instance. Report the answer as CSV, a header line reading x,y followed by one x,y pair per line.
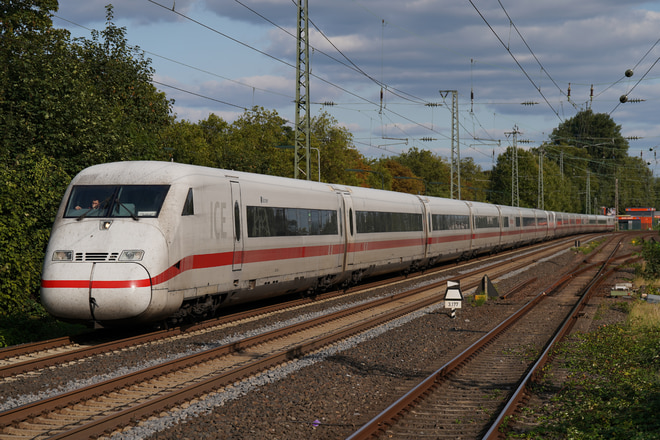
x,y
376,221
134,201
450,222
264,221
486,221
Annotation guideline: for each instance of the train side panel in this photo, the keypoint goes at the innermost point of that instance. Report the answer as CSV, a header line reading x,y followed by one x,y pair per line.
x,y
450,235
292,236
511,227
389,231
486,229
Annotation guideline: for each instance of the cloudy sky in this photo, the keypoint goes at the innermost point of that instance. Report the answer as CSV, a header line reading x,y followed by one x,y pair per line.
x,y
510,61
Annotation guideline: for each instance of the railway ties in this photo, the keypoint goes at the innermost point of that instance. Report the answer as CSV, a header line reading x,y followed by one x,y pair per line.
x,y
472,395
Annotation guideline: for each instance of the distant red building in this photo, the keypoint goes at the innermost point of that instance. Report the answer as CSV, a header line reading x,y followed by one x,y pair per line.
x,y
637,219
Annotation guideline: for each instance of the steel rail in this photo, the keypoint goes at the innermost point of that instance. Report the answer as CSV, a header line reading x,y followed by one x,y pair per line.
x,y
95,426
395,411
84,352
496,429
28,411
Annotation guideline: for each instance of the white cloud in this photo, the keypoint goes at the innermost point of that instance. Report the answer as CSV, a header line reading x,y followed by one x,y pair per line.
x,y
415,48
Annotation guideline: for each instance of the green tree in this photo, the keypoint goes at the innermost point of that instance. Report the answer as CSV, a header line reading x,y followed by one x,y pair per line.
x,y
501,178
81,102
185,142
64,105
597,133
590,148
29,187
403,178
336,149
650,253
252,141
433,169
131,112
636,184
474,184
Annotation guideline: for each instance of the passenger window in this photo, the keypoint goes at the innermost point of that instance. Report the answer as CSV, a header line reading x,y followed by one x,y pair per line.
x,y
237,221
188,206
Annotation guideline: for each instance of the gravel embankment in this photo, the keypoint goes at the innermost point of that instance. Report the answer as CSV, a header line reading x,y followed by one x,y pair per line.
x,y
334,396
325,395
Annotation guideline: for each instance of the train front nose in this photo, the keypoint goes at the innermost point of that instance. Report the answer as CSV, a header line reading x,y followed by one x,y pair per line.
x,y
112,291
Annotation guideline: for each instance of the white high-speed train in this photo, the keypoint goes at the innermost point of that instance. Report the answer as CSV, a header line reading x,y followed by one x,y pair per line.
x,y
137,242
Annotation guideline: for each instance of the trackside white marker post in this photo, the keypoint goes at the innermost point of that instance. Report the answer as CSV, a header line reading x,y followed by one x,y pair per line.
x,y
453,297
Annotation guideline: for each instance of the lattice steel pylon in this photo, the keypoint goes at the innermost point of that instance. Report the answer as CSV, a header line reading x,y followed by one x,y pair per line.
x,y
587,204
515,195
455,183
541,201
302,131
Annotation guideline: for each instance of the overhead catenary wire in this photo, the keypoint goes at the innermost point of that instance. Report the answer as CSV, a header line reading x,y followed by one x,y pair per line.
x,y
200,95
508,49
543,69
392,90
354,67
367,100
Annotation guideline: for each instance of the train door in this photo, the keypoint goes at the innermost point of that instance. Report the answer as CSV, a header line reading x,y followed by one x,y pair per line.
x,y
237,259
426,224
471,245
500,222
349,230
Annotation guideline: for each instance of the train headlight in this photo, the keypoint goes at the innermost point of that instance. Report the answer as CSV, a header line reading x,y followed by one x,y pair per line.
x,y
63,256
132,255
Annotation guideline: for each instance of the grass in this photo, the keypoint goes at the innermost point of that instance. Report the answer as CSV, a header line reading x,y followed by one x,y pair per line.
x,y
588,247
613,386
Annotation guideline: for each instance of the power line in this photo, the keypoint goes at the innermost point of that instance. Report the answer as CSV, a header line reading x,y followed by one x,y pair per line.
x,y
198,95
354,67
538,89
290,65
222,34
530,49
182,64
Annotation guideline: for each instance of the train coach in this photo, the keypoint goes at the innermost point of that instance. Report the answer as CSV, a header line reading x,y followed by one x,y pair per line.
x,y
142,242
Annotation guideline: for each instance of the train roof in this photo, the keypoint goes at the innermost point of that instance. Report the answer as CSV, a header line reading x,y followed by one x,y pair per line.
x,y
161,172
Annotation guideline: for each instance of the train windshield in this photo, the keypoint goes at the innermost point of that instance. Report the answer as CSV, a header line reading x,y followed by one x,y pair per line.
x,y
134,201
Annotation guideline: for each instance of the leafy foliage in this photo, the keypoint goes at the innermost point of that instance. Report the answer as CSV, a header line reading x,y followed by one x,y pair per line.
x,y
584,152
613,388
650,253
64,105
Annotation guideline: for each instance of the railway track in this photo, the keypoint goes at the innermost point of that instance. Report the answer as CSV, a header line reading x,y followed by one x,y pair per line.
x,y
472,395
34,356
237,360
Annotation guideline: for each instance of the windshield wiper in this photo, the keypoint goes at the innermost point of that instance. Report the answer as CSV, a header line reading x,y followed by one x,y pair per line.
x,y
130,212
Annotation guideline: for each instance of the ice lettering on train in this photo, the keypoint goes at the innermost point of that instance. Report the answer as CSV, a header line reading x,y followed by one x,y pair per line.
x,y
218,220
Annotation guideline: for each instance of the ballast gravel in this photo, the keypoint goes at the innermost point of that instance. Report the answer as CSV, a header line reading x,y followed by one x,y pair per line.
x,y
325,395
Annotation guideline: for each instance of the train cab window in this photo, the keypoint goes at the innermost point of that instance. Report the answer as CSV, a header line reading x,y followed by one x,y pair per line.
x,y
189,206
132,201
